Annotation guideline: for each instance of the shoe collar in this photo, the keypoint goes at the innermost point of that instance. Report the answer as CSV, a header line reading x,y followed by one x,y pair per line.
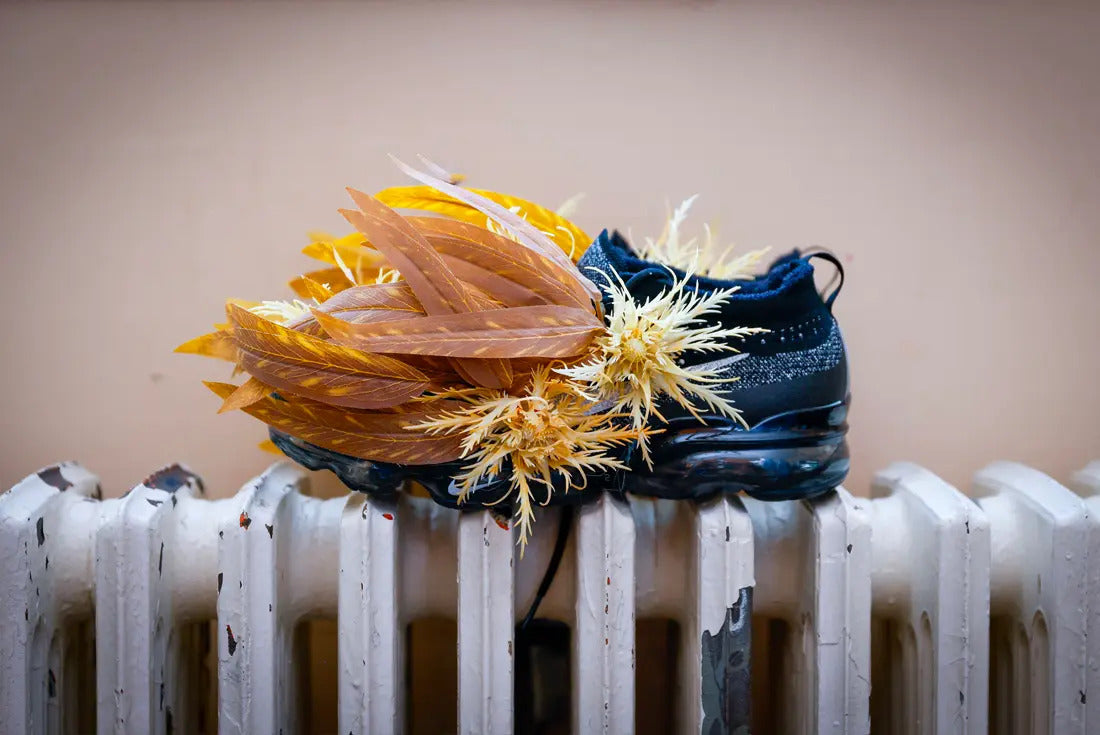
x,y
612,250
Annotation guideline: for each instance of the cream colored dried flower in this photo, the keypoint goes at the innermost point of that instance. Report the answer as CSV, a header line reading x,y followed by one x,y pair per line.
x,y
712,260
546,430
636,359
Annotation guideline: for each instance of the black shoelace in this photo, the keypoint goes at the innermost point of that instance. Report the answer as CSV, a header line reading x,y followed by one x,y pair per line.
x,y
565,524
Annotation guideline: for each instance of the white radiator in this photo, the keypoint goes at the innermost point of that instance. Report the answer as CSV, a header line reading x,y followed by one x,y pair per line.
x,y
967,616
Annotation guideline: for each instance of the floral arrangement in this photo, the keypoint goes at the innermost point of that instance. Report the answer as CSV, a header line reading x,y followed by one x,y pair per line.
x,y
465,331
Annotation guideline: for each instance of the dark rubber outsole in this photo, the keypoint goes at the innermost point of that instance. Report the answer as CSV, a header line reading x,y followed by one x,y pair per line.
x,y
787,457
763,472
382,480
694,465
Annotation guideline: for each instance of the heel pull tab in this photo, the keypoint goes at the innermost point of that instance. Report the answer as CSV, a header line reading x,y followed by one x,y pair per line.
x,y
838,278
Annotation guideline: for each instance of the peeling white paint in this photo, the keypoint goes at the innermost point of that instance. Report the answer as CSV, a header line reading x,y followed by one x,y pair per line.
x,y
1041,538
254,636
813,571
371,630
721,565
486,619
40,521
1087,484
137,599
603,650
931,563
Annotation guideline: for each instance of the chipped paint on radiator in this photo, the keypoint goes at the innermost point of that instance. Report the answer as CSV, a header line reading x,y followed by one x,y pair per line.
x,y
726,670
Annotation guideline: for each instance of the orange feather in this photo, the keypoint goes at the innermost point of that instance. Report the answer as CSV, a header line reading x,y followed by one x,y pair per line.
x,y
435,285
299,363
523,331
376,436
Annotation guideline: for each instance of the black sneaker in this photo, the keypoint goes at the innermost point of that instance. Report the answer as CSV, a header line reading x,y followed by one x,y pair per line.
x,y
790,384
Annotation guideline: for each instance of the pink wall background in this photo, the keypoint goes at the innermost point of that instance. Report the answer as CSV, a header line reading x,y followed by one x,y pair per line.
x,y
157,158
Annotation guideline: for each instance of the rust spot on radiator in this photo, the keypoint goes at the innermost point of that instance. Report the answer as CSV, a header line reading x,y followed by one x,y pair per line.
x,y
40,528
244,520
52,476
231,640
388,516
270,530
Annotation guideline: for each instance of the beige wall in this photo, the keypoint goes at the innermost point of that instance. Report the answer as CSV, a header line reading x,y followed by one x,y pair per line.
x,y
159,157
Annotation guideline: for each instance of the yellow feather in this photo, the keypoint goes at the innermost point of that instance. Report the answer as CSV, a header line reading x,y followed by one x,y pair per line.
x,y
249,392
219,345
308,288
352,249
